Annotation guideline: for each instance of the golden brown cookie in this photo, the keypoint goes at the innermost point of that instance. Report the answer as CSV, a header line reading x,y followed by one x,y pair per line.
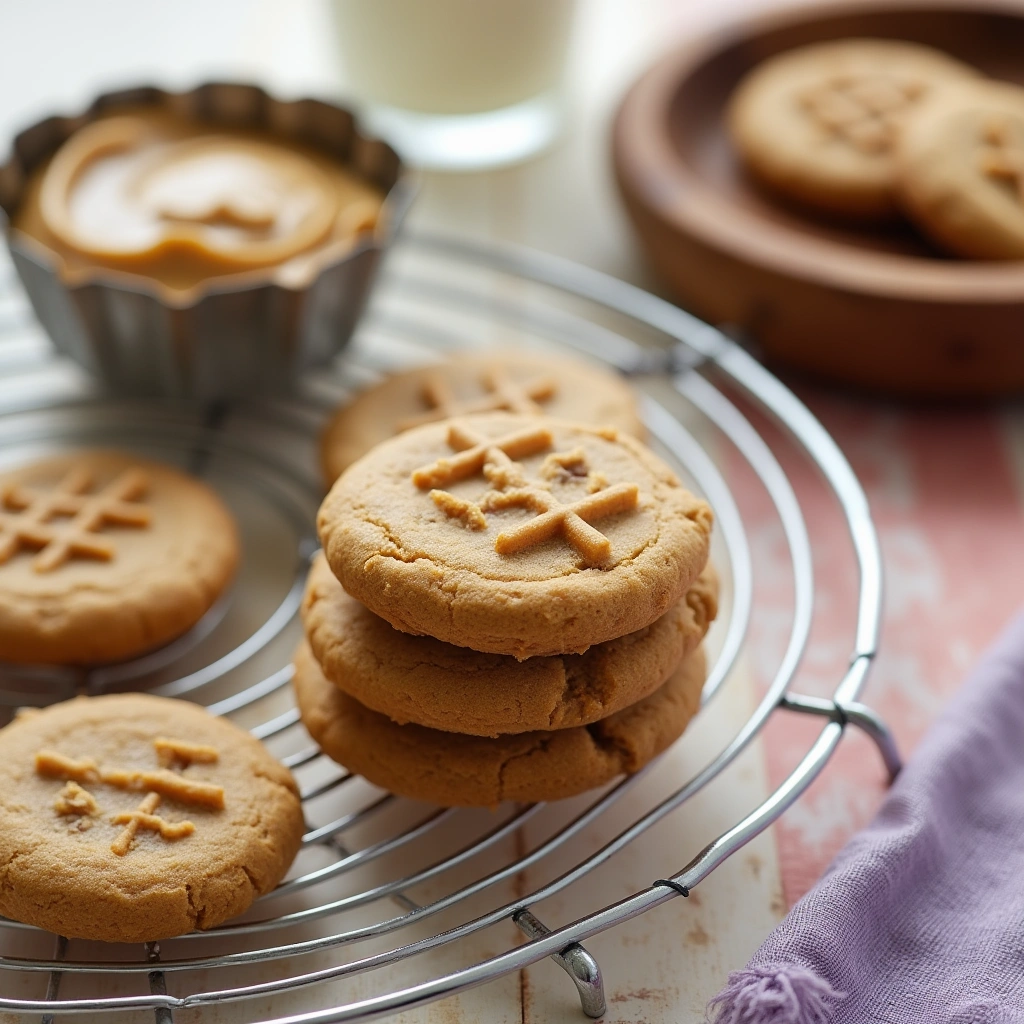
x,y
514,534
422,680
819,124
130,818
513,381
104,556
962,171
462,771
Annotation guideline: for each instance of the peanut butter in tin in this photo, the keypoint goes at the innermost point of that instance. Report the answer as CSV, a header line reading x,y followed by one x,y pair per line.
x,y
181,202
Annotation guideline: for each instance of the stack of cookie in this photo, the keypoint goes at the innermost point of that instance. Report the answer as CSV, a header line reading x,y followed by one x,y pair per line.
x,y
873,128
508,606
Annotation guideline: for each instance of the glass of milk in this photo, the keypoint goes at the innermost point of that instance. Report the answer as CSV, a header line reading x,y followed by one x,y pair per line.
x,y
457,84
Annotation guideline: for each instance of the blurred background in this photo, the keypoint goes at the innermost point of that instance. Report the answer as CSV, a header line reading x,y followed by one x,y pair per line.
x,y
563,201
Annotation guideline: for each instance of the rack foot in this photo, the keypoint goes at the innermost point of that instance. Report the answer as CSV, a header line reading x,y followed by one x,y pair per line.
x,y
860,715
158,984
53,985
584,970
869,722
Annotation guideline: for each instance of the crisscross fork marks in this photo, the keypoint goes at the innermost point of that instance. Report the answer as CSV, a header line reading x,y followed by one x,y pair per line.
x,y
173,753
75,800
862,109
502,394
143,817
553,518
1002,159
496,459
157,785
474,450
27,517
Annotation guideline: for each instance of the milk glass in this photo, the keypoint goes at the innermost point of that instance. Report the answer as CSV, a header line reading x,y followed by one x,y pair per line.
x,y
457,84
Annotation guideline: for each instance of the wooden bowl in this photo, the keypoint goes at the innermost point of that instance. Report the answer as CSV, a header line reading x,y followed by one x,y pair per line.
x,y
875,307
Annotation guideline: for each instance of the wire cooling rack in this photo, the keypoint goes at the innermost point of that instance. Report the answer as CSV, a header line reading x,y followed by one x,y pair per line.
x,y
349,909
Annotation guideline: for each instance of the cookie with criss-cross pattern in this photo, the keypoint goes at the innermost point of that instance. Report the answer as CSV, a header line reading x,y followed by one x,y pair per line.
x,y
514,534
473,382
422,680
962,171
131,818
457,770
821,124
104,556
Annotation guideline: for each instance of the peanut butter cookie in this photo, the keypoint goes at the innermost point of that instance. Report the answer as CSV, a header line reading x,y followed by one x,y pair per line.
x,y
104,556
962,171
455,770
514,534
422,680
820,124
130,818
521,382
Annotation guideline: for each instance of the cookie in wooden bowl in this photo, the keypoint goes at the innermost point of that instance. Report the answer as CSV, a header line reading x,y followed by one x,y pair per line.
x,y
820,124
961,171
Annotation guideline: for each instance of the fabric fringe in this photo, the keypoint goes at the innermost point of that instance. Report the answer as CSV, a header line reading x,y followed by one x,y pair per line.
x,y
775,994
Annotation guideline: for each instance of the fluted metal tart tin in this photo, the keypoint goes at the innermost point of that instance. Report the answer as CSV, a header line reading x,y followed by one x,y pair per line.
x,y
245,335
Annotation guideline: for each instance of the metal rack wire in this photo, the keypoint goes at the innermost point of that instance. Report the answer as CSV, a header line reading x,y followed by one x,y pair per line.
x,y
366,851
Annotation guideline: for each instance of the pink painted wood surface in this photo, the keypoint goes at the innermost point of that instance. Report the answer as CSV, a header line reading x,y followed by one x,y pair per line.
x,y
943,489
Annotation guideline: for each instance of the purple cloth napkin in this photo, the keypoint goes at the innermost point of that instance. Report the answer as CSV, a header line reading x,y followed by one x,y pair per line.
x,y
920,919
